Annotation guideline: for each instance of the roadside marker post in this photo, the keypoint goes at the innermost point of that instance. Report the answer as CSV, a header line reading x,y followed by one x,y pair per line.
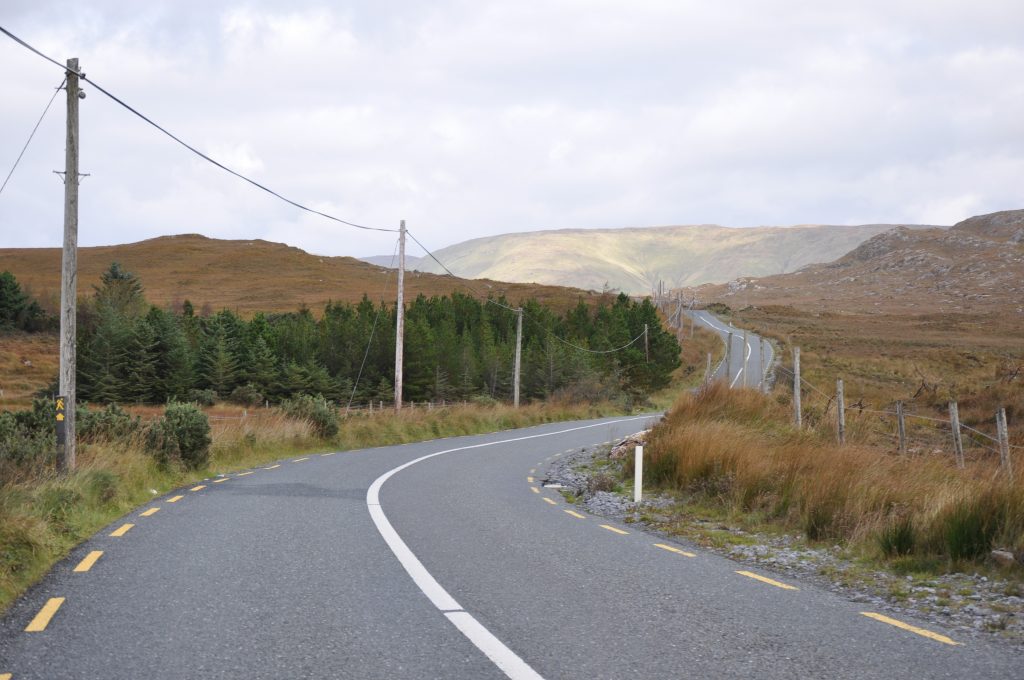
x,y
638,476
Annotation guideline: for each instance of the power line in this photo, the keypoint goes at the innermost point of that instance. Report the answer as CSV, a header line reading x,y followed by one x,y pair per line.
x,y
32,134
189,146
373,328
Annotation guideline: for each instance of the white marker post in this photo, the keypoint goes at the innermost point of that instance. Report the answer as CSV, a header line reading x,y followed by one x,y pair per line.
x,y
638,475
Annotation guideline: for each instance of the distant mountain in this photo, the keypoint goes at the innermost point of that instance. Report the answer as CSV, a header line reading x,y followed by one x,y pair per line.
x,y
976,265
634,260
246,276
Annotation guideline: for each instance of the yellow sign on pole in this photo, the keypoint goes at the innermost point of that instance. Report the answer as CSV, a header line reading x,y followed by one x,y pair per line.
x,y
60,418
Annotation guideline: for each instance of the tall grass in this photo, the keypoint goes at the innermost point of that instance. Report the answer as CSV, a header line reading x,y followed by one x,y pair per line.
x,y
43,515
735,450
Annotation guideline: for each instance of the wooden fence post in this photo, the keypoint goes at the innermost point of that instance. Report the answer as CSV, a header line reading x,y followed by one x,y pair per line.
x,y
901,427
958,443
1003,433
841,411
796,388
707,371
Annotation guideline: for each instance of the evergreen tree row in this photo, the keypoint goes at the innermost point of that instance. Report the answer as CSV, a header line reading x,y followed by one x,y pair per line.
x,y
456,348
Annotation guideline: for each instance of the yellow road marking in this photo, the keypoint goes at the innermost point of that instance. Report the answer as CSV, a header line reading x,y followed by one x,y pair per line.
x,y
299,460
549,501
574,514
5,676
175,499
42,619
272,467
765,579
221,480
122,530
913,629
530,480
151,511
611,528
534,489
90,559
243,474
675,550
198,488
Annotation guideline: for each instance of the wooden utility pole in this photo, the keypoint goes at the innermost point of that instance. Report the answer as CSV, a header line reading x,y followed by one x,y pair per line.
x,y
647,346
69,271
958,442
841,411
797,410
519,355
400,320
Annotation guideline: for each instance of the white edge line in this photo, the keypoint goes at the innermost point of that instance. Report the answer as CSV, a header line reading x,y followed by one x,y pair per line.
x,y
495,650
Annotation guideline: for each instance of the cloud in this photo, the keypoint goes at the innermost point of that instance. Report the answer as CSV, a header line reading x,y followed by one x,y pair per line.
x,y
474,118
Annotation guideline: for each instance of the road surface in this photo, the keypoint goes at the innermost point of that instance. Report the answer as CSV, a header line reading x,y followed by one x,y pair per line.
x,y
744,368
444,559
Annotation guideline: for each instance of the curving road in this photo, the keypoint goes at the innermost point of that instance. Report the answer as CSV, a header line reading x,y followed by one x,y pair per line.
x,y
444,559
745,368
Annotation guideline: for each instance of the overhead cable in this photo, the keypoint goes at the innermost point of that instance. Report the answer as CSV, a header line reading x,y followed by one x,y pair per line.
x,y
32,134
189,146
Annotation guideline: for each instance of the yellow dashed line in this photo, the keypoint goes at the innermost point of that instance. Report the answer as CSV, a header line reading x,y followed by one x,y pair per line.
x,y
5,676
90,559
42,619
221,480
765,579
198,488
913,629
299,460
174,499
675,550
534,489
151,511
549,501
530,480
243,474
272,467
574,514
122,530
616,530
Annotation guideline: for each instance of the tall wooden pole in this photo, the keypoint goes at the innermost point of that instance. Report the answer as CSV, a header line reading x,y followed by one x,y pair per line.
x,y
647,346
519,356
400,320
69,271
797,408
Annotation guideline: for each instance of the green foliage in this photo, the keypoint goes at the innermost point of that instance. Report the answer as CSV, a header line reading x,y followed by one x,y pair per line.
x,y
971,525
17,309
108,424
719,308
246,395
898,537
181,435
202,397
315,409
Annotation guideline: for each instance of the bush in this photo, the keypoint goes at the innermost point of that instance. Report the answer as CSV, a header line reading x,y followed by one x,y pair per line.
x,y
898,537
23,443
246,395
202,397
109,424
317,410
183,433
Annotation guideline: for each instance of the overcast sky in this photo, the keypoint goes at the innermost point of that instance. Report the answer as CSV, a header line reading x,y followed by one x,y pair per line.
x,y
475,118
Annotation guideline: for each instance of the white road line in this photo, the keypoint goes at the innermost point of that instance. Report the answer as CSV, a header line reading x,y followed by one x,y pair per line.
x,y
503,657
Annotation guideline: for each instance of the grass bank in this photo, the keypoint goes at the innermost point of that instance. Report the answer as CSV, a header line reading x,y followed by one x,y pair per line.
x,y
733,454
43,516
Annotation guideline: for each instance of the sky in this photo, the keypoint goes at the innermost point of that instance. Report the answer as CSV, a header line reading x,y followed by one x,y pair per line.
x,y
473,118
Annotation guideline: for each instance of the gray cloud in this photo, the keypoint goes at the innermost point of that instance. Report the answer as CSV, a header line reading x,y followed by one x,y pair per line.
x,y
475,118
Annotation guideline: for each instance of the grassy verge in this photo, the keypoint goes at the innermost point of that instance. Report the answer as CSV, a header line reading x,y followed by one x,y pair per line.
x,y
44,516
734,455
693,358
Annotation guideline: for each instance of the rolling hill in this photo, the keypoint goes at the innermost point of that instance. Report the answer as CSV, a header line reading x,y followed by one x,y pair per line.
x,y
634,260
975,266
246,276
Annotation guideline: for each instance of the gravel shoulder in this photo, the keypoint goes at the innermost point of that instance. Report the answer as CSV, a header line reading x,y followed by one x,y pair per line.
x,y
974,605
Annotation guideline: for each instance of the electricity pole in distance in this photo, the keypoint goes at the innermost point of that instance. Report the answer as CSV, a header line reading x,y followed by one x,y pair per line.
x,y
400,320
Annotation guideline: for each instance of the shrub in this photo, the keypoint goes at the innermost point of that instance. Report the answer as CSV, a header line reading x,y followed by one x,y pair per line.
x,y
183,433
202,397
897,537
108,424
23,443
246,395
317,410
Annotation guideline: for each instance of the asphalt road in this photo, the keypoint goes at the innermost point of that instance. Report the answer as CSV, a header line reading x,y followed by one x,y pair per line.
x,y
460,565
744,367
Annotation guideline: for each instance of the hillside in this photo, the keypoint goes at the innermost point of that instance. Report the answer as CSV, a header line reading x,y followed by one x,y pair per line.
x,y
634,260
245,276
975,266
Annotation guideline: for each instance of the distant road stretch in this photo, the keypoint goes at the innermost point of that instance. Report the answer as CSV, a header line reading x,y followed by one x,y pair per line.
x,y
744,368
